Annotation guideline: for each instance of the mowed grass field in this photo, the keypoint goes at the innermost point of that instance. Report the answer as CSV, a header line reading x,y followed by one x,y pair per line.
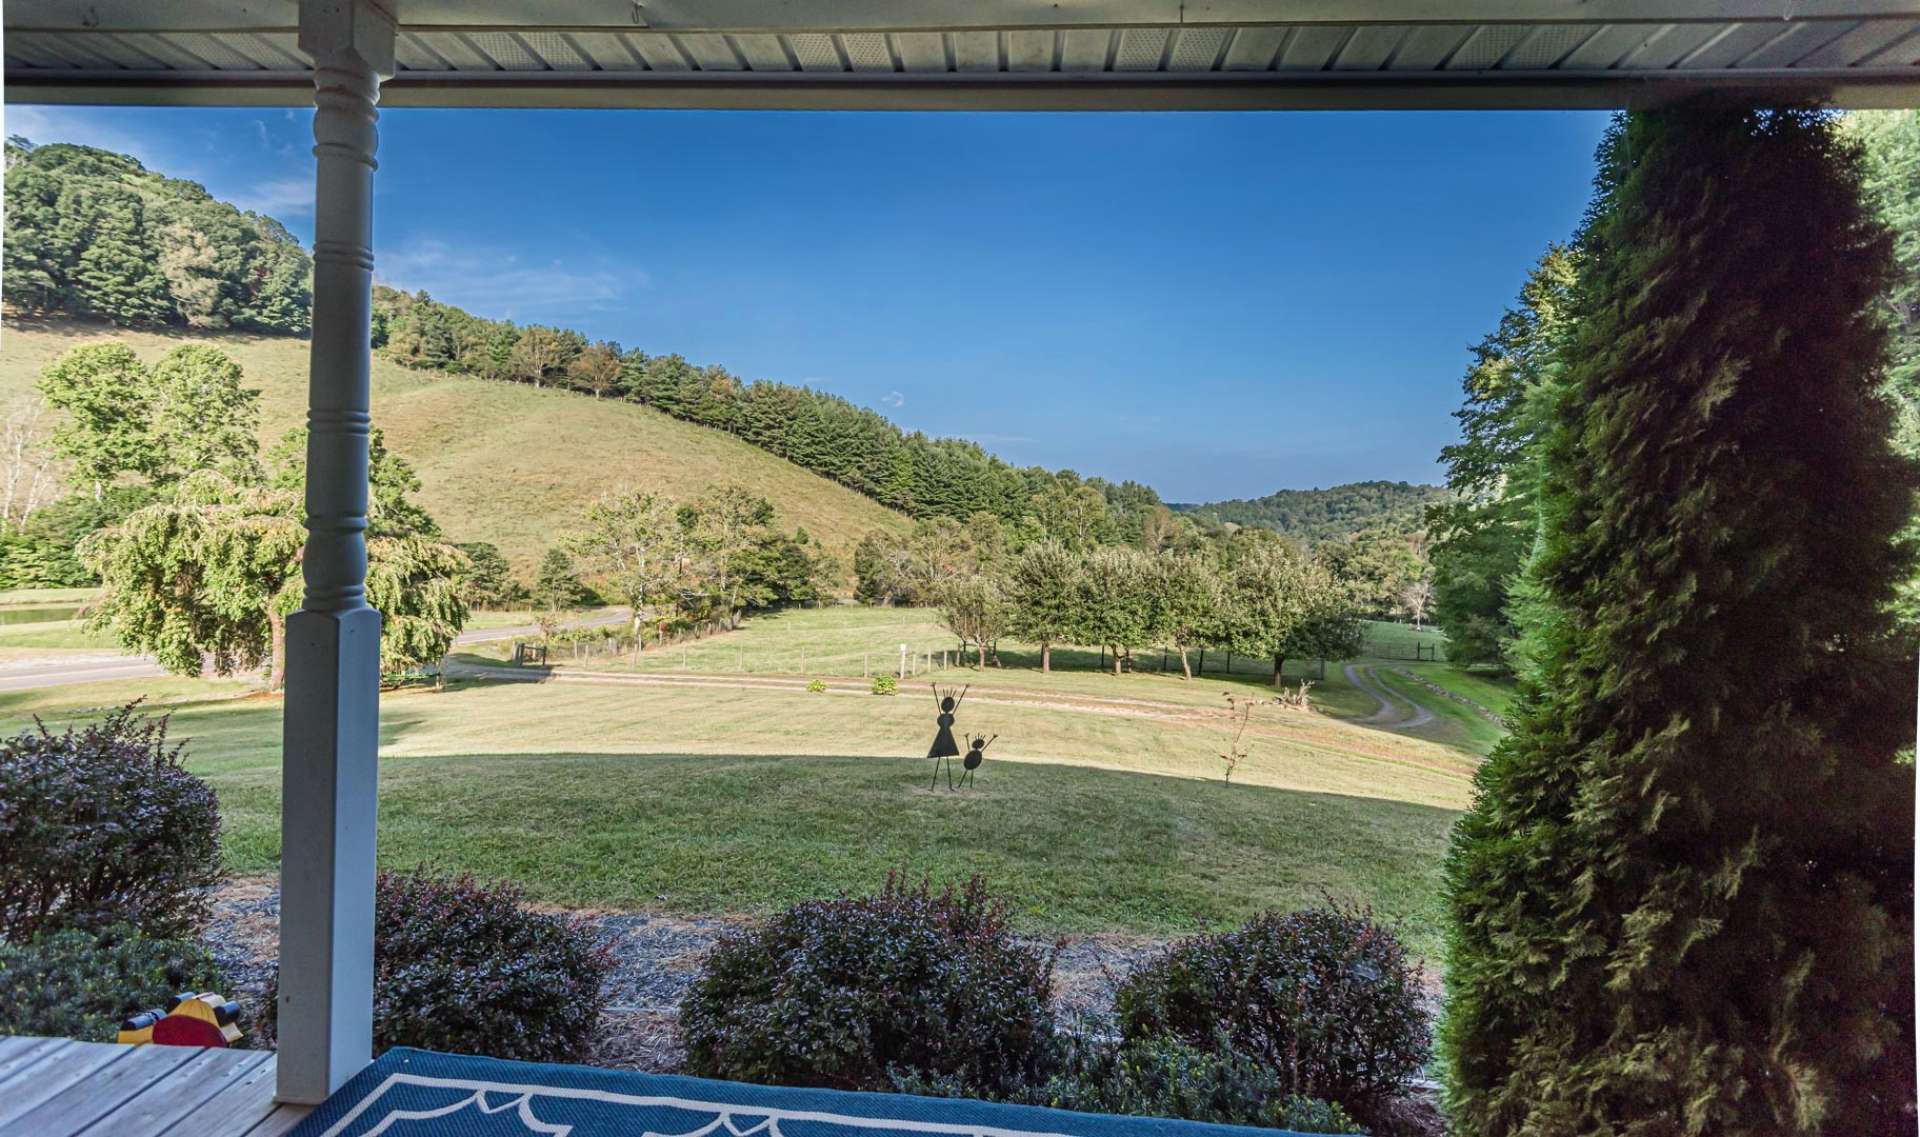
x,y
1101,808
499,462
37,622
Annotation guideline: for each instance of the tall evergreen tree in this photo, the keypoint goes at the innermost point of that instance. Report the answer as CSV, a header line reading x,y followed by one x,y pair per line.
x,y
1682,901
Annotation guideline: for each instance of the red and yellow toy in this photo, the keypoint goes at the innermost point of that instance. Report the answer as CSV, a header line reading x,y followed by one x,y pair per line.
x,y
205,1019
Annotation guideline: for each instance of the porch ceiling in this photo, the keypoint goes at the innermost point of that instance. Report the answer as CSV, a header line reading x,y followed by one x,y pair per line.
x,y
986,54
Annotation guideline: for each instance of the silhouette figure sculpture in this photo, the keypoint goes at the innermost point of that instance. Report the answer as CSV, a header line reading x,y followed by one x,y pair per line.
x,y
976,754
944,748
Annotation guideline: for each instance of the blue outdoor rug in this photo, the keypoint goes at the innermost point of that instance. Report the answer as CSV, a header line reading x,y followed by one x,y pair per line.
x,y
417,1093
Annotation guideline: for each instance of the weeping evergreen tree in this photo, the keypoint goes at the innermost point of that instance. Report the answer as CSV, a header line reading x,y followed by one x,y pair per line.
x,y
1682,901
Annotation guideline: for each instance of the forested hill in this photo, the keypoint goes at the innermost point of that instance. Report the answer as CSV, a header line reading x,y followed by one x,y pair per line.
x,y
94,234
1318,515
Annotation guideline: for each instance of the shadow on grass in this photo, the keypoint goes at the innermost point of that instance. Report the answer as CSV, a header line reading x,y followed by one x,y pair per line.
x,y
1075,848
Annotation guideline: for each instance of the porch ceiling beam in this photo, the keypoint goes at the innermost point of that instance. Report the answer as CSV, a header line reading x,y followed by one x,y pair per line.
x,y
1217,91
894,15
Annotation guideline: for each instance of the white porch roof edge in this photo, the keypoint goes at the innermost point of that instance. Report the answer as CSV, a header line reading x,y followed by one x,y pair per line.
x,y
990,54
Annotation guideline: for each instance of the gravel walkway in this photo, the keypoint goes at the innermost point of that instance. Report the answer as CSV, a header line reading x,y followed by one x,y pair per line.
x,y
657,957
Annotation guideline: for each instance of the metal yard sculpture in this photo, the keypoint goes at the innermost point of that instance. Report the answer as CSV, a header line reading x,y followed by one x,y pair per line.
x,y
944,748
976,754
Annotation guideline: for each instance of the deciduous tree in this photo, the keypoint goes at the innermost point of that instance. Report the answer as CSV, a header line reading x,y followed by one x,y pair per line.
x,y
975,608
1043,593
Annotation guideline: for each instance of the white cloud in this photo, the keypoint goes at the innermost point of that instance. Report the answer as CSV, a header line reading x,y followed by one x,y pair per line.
x,y
894,399
277,197
281,197
82,126
497,284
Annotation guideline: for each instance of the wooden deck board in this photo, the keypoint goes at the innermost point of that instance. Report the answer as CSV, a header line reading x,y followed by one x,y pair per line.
x,y
56,1088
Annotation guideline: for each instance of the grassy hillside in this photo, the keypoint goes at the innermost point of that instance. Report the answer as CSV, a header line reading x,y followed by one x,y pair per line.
x,y
500,462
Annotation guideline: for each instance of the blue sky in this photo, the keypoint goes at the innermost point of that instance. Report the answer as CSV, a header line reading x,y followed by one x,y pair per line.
x,y
1217,305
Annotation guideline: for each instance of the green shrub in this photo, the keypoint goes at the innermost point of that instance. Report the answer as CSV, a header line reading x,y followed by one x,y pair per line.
x,y
1324,997
817,686
834,992
467,967
74,983
102,826
886,685
1159,1077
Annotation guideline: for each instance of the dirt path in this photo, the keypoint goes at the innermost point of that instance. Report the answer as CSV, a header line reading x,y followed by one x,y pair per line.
x,y
1396,711
999,696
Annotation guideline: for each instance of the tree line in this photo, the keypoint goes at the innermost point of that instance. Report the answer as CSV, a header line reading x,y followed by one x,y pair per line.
x,y
95,234
92,233
853,445
1249,592
1316,515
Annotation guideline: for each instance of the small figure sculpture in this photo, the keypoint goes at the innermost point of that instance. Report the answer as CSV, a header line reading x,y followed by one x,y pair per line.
x,y
944,748
976,754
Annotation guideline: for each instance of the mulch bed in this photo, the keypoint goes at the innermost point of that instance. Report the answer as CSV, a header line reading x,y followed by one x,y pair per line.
x,y
656,959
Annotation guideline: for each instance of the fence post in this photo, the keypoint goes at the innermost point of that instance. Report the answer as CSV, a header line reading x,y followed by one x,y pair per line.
x,y
866,665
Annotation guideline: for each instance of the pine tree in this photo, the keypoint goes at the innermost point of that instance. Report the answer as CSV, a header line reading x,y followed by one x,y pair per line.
x,y
117,274
1682,902
557,586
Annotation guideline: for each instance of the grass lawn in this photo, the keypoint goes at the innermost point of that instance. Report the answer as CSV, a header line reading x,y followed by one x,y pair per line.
x,y
1387,639
1102,805
46,597
48,619
712,799
56,635
1491,691
1454,724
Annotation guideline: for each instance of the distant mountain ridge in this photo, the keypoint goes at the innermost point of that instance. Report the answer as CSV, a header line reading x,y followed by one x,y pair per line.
x,y
1334,513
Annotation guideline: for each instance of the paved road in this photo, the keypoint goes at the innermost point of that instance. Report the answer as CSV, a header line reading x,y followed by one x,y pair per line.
x,y
32,673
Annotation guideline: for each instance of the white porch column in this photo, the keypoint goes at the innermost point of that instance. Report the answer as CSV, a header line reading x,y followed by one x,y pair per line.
x,y
331,740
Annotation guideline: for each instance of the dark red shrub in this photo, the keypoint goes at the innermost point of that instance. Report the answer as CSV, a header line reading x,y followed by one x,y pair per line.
x,y
1325,996
837,992
102,826
468,968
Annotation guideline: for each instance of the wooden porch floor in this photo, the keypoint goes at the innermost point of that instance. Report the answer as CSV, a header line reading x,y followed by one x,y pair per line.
x,y
54,1087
